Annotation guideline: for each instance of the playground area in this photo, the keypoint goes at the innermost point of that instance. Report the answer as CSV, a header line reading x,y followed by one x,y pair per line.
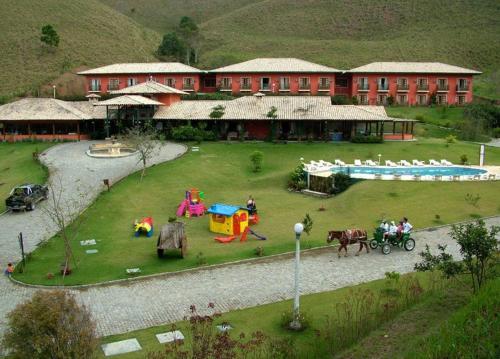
x,y
222,171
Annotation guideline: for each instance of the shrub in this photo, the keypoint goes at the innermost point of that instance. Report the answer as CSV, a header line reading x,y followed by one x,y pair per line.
x,y
256,158
50,325
463,159
367,139
390,101
259,251
190,133
496,132
354,100
297,178
340,100
341,182
420,118
288,316
200,259
451,139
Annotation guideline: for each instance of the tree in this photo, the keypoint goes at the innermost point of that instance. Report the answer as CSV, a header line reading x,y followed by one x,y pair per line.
x,y
61,211
190,35
50,325
145,141
477,246
171,46
256,158
49,36
308,224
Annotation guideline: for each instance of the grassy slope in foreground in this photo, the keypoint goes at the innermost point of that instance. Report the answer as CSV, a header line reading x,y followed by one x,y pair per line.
x,y
223,172
17,167
90,33
403,335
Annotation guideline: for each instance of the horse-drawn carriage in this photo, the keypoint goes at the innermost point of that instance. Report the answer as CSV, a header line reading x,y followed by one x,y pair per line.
x,y
403,241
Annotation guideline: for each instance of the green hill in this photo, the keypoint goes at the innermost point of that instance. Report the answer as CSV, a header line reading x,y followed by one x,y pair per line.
x,y
91,34
342,33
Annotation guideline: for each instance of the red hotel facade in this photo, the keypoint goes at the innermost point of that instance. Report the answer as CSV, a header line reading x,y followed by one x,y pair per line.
x,y
405,83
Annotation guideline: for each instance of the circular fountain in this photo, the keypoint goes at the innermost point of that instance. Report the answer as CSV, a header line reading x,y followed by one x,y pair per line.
x,y
111,149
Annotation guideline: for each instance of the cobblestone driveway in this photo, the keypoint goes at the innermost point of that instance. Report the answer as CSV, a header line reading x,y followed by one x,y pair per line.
x,y
140,304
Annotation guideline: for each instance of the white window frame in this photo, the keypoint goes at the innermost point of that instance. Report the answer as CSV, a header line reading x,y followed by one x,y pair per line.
x,y
226,83
283,80
363,81
188,83
400,97
379,84
327,81
423,81
307,82
131,81
445,82
170,81
115,81
438,99
382,97
95,85
426,99
360,101
249,83
269,83
461,97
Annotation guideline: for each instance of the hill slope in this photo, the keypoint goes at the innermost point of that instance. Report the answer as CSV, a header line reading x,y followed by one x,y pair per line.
x,y
91,34
339,33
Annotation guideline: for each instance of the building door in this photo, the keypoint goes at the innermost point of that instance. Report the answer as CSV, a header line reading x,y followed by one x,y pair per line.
x,y
236,224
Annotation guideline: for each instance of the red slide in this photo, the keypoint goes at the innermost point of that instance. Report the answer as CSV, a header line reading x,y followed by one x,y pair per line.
x,y
225,239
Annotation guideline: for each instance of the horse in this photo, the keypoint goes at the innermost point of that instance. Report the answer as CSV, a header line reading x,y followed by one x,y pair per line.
x,y
350,236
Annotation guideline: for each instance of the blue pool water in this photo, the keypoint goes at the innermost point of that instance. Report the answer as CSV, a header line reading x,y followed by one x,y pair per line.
x,y
421,170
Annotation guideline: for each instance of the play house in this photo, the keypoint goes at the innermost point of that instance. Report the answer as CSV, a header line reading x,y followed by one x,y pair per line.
x,y
227,219
192,204
144,226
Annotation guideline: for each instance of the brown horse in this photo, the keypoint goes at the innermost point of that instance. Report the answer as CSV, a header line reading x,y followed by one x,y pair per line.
x,y
350,236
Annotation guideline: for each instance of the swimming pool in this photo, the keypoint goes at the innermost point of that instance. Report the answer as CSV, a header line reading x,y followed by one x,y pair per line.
x,y
410,171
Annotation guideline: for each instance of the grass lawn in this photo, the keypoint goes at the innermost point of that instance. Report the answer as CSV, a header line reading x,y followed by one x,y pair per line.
x,y
266,318
17,166
435,115
223,172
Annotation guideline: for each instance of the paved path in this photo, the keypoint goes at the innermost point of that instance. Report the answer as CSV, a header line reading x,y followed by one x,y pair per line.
x,y
140,304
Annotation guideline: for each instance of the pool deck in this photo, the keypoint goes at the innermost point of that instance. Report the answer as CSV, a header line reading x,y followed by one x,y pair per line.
x,y
492,174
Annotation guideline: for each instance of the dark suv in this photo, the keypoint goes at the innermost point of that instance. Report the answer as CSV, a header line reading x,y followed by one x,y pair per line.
x,y
25,197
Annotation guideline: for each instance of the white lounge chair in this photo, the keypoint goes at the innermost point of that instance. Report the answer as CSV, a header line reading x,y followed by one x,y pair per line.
x,y
325,163
389,163
418,163
370,163
357,163
317,164
434,162
446,163
339,163
404,163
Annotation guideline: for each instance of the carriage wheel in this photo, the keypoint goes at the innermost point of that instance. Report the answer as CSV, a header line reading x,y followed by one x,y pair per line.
x,y
160,252
409,244
386,248
373,244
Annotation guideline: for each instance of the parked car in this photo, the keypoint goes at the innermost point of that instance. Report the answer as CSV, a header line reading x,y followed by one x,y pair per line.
x,y
26,196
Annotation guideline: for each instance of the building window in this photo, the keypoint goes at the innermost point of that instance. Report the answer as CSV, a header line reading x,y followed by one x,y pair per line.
x,y
324,83
246,83
383,84
169,81
461,99
363,99
382,100
403,84
131,81
442,84
340,82
304,83
462,85
284,83
95,85
422,84
113,84
402,99
442,99
265,83
188,83
363,84
226,83
422,100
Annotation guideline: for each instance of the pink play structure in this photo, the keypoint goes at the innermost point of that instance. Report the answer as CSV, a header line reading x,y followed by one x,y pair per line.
x,y
192,205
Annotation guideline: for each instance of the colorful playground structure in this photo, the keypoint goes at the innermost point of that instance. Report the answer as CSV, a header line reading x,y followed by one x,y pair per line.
x,y
144,226
192,205
231,221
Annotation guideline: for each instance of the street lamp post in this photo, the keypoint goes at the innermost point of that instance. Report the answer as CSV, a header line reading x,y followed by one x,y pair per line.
x,y
295,324
54,88
379,156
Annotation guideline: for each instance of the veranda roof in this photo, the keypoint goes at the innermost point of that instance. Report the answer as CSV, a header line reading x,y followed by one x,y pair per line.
x,y
287,108
148,87
39,109
143,68
269,65
413,67
129,100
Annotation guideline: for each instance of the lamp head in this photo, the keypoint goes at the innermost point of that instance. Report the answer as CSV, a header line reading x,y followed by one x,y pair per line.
x,y
298,228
